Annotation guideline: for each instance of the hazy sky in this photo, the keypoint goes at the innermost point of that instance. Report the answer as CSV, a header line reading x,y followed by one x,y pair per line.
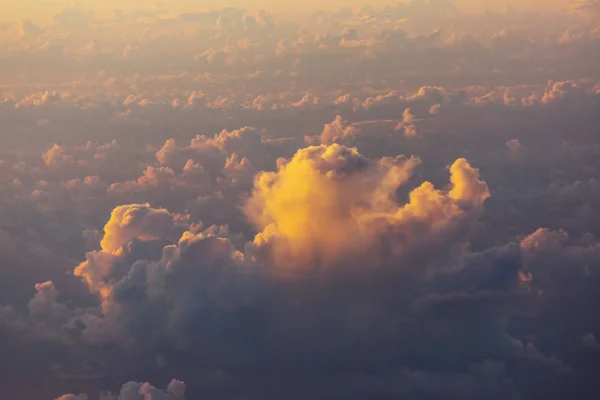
x,y
42,10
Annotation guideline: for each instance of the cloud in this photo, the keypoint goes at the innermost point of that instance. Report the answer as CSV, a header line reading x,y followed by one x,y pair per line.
x,y
72,397
591,6
56,155
164,256
139,391
136,221
589,341
44,304
408,123
513,145
329,201
27,28
162,182
338,131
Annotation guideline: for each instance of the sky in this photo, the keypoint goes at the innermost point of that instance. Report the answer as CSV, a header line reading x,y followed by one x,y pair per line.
x,y
275,201
43,9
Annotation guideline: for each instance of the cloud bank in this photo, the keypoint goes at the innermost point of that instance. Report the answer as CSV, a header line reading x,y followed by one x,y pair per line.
x,y
388,201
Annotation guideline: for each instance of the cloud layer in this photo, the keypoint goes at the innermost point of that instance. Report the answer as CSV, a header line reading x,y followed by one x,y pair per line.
x,y
383,202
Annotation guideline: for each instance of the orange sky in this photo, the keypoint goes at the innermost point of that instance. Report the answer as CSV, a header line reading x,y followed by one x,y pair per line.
x,y
42,10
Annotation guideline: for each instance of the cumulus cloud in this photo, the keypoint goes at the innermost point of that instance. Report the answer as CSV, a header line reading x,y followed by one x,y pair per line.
x,y
132,390
338,131
328,202
139,391
136,221
56,155
408,123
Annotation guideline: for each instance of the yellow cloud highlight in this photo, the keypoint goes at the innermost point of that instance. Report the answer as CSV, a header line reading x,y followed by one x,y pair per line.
x,y
328,202
127,222
135,221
